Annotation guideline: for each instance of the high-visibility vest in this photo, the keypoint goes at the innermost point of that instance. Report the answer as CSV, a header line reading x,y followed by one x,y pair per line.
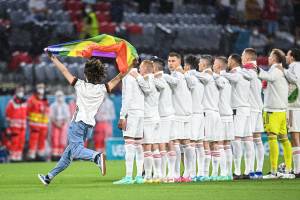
x,y
38,111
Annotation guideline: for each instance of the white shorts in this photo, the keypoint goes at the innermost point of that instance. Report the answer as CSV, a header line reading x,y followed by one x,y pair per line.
x,y
293,120
257,123
197,127
182,128
165,129
242,123
228,128
212,126
134,127
151,135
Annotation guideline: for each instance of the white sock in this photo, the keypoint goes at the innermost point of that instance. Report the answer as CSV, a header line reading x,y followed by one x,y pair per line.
x,y
171,164
215,158
222,161
157,163
139,159
129,157
259,154
148,160
206,163
296,159
200,158
185,161
249,156
178,160
228,154
237,156
193,161
163,163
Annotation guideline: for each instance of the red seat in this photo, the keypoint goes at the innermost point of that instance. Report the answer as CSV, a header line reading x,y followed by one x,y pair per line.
x,y
18,58
103,16
134,29
102,6
75,15
109,28
74,5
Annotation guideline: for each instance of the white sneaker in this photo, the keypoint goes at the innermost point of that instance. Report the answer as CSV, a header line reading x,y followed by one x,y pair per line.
x,y
288,176
271,176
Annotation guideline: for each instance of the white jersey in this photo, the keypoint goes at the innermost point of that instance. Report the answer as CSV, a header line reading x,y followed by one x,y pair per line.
x,y
211,92
132,98
293,76
240,88
182,98
276,93
255,98
165,105
225,95
151,97
89,98
197,91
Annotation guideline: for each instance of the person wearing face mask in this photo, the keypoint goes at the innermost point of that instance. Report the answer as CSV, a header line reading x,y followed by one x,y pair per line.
x,y
59,117
16,120
38,112
90,23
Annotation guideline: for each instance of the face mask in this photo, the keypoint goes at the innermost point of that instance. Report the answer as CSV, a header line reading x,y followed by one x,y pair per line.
x,y
255,32
41,91
20,95
87,10
60,99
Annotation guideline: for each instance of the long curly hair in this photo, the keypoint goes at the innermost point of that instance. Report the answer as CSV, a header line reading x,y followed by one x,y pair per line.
x,y
95,71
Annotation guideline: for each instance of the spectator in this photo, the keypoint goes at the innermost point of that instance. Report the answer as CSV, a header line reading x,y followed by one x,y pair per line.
x,y
296,5
16,124
258,41
90,23
38,9
103,128
59,117
270,16
252,12
38,111
117,11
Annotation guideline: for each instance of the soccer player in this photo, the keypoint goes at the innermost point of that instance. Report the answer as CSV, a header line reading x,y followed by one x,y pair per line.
x,y
132,123
249,57
212,120
241,118
152,157
197,136
293,76
275,106
220,66
166,112
90,95
182,101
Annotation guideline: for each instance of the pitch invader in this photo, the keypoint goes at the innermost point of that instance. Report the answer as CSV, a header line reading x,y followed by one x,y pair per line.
x,y
249,57
166,112
227,133
197,134
152,156
182,101
293,76
212,120
132,123
241,118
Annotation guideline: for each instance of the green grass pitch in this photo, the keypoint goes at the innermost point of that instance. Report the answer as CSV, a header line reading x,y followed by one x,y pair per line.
x,y
82,181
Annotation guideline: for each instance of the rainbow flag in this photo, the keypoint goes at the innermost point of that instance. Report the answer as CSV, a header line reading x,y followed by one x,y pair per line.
x,y
100,46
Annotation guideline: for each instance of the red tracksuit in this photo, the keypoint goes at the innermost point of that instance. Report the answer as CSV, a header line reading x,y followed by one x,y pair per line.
x,y
38,112
16,130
